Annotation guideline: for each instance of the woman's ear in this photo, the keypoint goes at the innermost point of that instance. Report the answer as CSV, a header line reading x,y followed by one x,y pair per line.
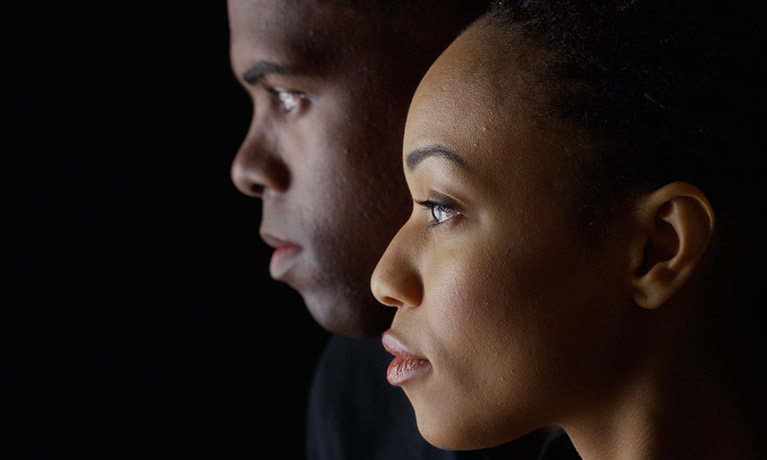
x,y
676,223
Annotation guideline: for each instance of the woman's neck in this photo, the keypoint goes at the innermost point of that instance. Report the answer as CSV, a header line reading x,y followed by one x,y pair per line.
x,y
669,411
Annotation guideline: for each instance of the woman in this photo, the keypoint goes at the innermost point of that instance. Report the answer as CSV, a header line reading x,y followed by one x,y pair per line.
x,y
560,265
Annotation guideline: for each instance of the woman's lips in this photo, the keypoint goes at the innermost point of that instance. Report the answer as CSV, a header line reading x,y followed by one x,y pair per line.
x,y
405,366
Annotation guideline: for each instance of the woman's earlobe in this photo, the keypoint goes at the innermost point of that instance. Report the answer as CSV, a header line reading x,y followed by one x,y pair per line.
x,y
676,224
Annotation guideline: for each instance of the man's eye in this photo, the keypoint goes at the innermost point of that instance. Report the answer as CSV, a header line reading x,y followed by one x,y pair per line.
x,y
289,100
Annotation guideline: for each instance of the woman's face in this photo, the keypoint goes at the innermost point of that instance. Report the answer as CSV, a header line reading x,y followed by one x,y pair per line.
x,y
505,320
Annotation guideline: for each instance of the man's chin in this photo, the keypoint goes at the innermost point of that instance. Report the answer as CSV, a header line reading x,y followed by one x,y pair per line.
x,y
360,317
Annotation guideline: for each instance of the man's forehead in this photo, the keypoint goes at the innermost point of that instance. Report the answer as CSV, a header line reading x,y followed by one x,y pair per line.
x,y
299,32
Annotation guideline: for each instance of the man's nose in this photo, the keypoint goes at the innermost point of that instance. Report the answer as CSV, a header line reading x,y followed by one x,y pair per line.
x,y
257,167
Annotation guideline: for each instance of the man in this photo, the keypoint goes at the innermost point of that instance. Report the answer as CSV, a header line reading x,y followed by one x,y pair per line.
x,y
331,83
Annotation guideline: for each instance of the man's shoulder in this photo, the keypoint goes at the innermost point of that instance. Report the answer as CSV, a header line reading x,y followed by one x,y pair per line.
x,y
351,376
355,413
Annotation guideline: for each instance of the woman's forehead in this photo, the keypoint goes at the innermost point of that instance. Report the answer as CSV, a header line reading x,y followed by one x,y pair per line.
x,y
466,88
475,101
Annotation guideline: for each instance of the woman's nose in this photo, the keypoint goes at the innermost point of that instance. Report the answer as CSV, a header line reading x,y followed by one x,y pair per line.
x,y
257,167
396,282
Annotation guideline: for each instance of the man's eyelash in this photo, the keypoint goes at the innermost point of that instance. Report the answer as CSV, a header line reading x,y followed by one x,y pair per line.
x,y
278,95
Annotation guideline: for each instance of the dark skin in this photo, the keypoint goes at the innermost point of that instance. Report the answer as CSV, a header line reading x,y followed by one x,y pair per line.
x,y
512,319
330,88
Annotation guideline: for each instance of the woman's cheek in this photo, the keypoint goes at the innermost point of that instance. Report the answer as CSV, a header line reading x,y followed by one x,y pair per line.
x,y
463,300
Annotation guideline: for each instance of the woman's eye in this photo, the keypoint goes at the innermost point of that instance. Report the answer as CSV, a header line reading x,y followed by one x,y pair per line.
x,y
289,100
440,213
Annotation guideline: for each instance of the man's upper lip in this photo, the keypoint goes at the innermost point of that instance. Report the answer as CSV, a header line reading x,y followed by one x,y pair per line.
x,y
274,241
394,345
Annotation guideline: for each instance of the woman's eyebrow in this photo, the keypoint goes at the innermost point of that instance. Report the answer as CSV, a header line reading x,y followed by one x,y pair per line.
x,y
418,155
263,68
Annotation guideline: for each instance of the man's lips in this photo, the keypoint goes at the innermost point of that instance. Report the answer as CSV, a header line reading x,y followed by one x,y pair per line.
x,y
406,365
284,253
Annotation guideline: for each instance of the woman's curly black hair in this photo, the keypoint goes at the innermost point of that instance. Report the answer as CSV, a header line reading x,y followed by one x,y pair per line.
x,y
657,84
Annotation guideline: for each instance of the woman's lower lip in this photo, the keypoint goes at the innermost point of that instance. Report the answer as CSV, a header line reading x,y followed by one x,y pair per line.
x,y
281,257
401,370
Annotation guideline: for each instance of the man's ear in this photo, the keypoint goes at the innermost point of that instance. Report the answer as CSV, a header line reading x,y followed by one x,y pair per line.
x,y
676,223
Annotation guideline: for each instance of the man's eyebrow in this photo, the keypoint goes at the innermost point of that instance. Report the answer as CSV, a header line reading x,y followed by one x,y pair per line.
x,y
418,155
263,68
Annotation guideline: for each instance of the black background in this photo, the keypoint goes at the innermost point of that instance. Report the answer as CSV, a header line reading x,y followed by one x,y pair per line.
x,y
137,316
139,319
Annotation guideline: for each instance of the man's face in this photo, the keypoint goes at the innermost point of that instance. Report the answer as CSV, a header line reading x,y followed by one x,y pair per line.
x,y
322,151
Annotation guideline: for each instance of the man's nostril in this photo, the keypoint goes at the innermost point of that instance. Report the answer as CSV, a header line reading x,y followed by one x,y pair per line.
x,y
257,190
